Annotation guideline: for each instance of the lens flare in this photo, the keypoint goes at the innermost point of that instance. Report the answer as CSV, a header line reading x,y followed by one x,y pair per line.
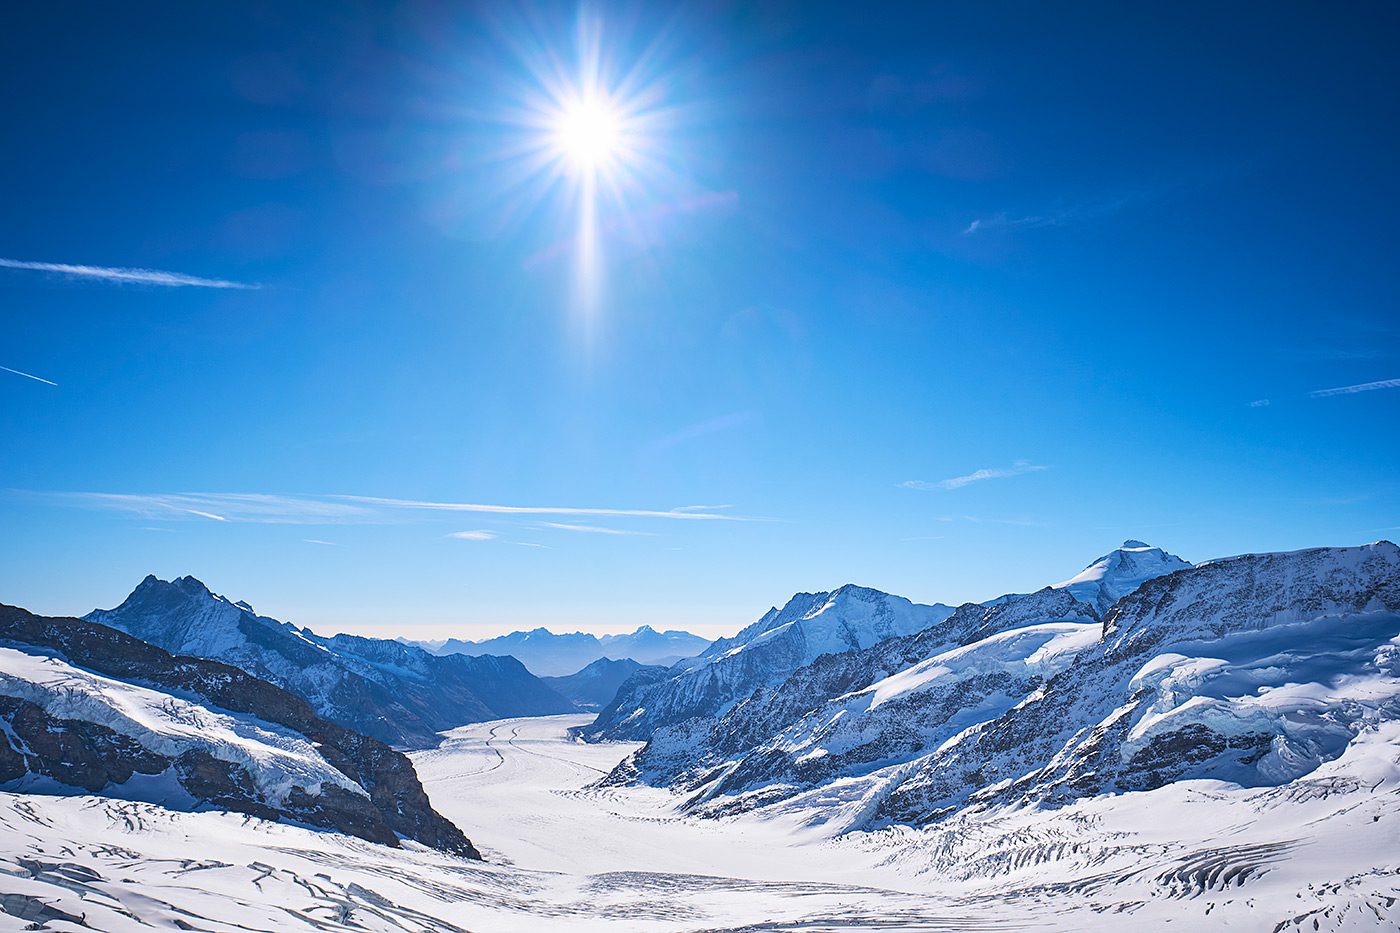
x,y
590,133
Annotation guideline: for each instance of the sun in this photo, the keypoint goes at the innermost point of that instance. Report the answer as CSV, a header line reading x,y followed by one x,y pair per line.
x,y
589,134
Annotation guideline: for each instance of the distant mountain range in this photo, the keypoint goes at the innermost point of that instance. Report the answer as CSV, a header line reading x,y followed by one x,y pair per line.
x,y
398,693
596,685
548,654
90,708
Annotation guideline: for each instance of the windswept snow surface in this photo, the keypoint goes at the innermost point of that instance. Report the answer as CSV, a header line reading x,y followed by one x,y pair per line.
x,y
276,758
1317,854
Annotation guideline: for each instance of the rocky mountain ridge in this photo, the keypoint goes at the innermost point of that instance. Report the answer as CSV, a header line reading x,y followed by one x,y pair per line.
x,y
87,707
398,693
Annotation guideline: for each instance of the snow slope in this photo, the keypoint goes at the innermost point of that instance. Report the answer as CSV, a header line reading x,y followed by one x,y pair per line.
x,y
1119,572
851,713
395,692
86,707
765,653
276,758
1321,854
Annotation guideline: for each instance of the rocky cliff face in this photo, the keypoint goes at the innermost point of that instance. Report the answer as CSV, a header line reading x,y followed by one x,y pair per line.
x,y
93,708
397,693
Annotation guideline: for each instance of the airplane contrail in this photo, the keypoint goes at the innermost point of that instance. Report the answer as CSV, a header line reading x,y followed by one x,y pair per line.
x,y
118,274
29,376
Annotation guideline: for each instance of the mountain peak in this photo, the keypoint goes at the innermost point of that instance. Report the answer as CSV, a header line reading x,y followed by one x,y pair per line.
x,y
1119,572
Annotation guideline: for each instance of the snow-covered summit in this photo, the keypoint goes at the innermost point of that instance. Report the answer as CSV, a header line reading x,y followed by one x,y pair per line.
x,y
1119,572
399,693
808,626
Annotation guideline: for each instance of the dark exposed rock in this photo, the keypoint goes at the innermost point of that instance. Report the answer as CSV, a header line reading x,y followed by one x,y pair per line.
x,y
93,757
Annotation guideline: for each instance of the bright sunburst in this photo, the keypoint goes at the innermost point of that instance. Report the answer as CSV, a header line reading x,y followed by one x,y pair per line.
x,y
590,138
589,134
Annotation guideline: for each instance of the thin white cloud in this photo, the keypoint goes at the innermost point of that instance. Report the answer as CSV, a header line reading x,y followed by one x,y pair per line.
x,y
1352,390
472,535
687,512
28,376
533,544
270,509
119,274
592,529
320,542
1260,403
1063,216
1018,468
256,508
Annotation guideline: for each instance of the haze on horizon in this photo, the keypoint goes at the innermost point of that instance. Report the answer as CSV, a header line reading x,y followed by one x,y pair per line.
x,y
442,321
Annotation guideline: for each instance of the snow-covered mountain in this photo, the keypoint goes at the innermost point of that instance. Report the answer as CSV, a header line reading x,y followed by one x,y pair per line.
x,y
1254,670
84,707
549,655
1119,572
595,686
847,713
398,693
763,654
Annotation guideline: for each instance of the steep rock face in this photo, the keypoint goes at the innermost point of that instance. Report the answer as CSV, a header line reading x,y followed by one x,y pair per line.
x,y
91,707
398,693
1119,572
596,685
765,653
851,713
1254,669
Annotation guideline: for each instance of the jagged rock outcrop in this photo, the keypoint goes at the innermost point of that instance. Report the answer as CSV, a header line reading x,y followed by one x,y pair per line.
x,y
93,708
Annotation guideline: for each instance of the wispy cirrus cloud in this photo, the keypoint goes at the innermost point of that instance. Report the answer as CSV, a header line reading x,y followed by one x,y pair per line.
x,y
28,376
1067,215
265,508
121,274
472,535
1018,468
693,513
594,529
260,508
1352,390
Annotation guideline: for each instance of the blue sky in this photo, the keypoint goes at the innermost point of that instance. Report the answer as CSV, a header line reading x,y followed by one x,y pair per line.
x,y
946,300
